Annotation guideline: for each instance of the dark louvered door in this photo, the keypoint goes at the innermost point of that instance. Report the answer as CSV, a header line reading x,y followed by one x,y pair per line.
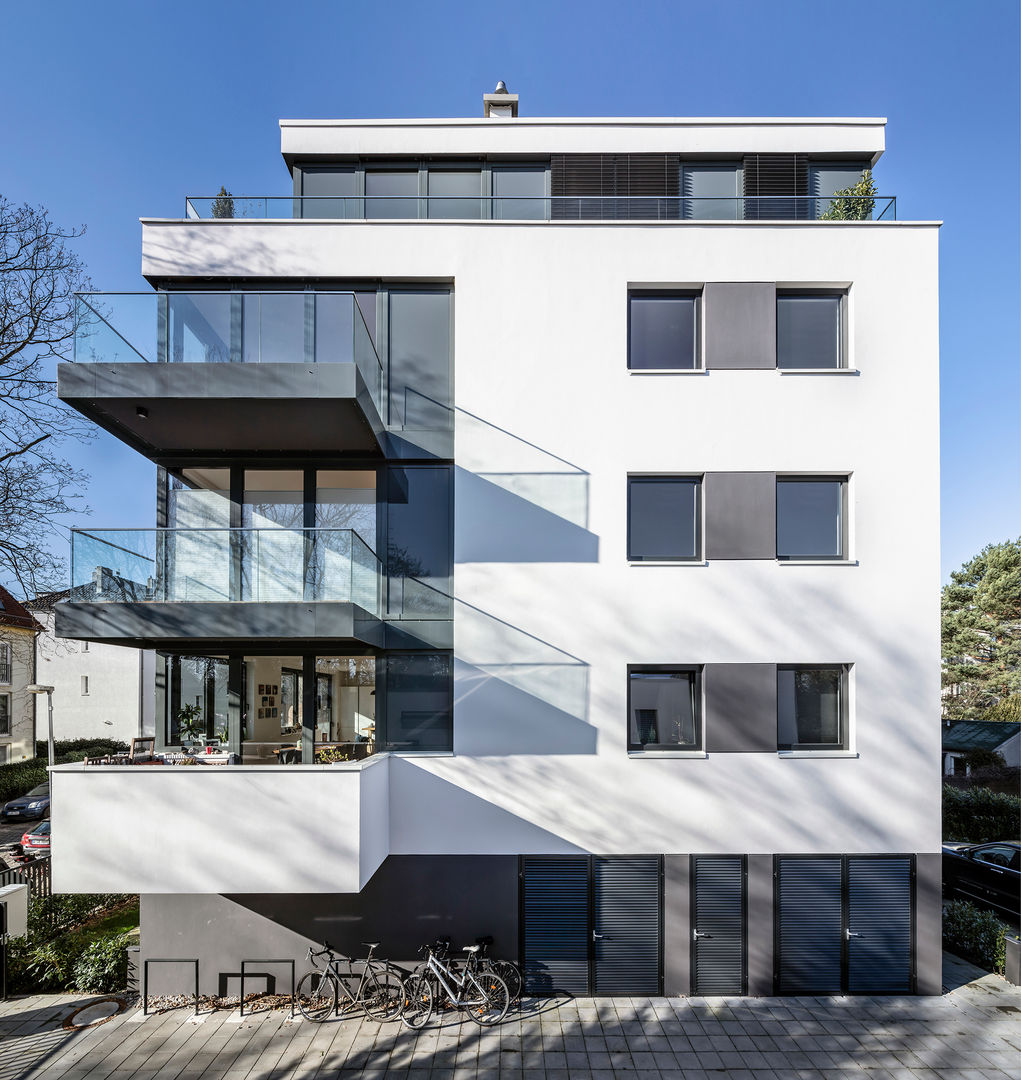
x,y
810,931
555,924
879,930
718,951
626,925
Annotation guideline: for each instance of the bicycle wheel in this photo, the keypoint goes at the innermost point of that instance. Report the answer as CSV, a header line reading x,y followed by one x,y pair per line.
x,y
316,995
383,995
508,971
493,999
417,1005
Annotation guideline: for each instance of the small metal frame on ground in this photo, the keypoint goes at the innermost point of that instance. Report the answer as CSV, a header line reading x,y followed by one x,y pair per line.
x,y
165,960
245,975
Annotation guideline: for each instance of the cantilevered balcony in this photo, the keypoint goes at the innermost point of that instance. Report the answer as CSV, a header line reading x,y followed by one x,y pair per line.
x,y
210,587
226,371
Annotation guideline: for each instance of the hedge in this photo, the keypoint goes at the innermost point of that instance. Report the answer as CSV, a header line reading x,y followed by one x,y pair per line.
x,y
979,816
975,934
19,777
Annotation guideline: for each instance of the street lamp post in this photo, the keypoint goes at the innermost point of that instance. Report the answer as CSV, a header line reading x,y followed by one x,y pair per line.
x,y
37,688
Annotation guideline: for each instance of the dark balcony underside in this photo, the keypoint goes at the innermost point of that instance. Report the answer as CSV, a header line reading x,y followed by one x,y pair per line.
x,y
226,407
208,626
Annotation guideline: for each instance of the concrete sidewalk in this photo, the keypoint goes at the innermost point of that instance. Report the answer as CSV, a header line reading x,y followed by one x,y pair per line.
x,y
972,1032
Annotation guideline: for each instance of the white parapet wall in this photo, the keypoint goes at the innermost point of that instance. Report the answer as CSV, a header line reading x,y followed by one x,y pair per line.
x,y
218,829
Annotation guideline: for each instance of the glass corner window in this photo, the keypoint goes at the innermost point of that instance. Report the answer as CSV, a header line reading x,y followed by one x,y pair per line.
x,y
811,517
811,708
664,707
664,518
663,331
809,331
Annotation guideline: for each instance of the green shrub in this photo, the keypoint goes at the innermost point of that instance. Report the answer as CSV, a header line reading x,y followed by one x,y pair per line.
x,y
102,965
19,777
978,815
83,747
975,934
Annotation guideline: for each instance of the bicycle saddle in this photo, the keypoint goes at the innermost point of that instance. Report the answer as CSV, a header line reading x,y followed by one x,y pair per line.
x,y
470,948
371,944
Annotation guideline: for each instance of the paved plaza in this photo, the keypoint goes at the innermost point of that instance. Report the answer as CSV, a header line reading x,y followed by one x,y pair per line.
x,y
972,1032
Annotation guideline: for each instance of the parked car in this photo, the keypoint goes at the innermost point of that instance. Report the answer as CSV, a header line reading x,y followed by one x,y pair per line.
x,y
36,804
989,874
37,840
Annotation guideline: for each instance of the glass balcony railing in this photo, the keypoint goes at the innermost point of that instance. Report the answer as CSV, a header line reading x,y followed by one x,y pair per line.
x,y
226,327
551,208
220,565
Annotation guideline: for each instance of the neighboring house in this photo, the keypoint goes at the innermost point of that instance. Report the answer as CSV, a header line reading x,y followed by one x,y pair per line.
x,y
17,671
574,487
959,739
100,691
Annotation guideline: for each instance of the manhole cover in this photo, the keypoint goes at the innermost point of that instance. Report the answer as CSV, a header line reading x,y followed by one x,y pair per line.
x,y
93,1013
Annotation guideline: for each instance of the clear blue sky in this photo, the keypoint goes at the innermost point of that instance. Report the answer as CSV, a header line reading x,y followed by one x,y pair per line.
x,y
114,111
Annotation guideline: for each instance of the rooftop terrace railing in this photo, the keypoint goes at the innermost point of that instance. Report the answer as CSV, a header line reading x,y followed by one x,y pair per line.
x,y
226,327
223,565
547,208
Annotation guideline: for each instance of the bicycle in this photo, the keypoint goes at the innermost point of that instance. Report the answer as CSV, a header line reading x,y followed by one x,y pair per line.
x,y
380,991
506,969
481,994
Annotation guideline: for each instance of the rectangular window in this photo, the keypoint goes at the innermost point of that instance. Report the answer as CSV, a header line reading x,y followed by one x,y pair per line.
x,y
391,194
5,663
455,193
519,193
85,646
809,332
811,517
711,191
85,686
329,192
419,702
664,518
811,708
5,714
664,708
663,331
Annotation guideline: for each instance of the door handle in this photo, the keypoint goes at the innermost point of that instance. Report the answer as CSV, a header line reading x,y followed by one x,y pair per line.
x,y
696,934
596,937
851,934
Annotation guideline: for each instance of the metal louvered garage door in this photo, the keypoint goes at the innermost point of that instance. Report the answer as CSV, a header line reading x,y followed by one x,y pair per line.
x,y
592,924
626,933
555,924
719,953
810,931
879,918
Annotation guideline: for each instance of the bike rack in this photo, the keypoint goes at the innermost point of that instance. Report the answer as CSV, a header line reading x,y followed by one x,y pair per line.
x,y
165,960
244,974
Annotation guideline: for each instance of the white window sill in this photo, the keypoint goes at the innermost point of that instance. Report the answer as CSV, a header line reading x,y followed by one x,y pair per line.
x,y
819,371
817,562
638,755
669,562
667,371
817,753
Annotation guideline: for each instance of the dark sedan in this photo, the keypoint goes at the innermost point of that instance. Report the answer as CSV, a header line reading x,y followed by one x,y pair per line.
x,y
36,804
989,874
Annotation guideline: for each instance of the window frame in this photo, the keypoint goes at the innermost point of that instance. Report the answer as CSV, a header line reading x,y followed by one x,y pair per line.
x,y
6,663
843,341
84,686
844,480
699,527
843,746
698,703
670,293
6,719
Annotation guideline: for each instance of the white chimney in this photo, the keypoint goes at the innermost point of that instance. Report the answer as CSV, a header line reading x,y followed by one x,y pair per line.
x,y
500,103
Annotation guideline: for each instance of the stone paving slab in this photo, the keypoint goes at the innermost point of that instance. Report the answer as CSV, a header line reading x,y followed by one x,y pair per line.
x,y
971,1032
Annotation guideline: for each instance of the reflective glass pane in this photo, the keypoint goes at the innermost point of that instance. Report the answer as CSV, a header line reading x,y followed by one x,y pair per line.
x,y
662,332
199,499
346,499
274,498
809,710
192,700
199,328
711,191
809,518
345,698
455,194
663,518
419,702
336,188
808,332
519,194
272,710
663,710
420,394
419,542
391,194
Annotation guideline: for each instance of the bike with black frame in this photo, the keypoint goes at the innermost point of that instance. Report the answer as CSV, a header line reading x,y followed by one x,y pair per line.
x,y
483,995
327,990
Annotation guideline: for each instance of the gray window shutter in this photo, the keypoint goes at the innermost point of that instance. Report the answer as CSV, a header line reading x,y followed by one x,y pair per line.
x,y
780,182
614,186
740,324
740,708
740,515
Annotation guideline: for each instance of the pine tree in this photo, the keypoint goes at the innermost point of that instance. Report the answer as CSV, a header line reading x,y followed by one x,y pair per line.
x,y
223,204
981,633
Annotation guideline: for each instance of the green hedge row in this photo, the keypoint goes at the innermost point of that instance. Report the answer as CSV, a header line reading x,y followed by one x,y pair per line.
x,y
975,934
19,777
978,815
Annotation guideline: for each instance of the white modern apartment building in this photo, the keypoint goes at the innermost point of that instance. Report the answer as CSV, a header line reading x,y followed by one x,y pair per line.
x,y
547,519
